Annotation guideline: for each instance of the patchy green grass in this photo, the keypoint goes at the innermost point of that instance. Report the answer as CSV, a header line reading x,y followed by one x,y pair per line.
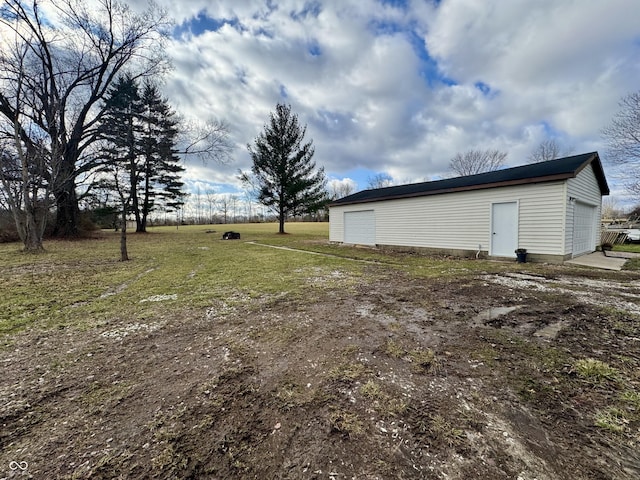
x,y
387,404
346,423
634,263
595,371
347,372
292,395
627,247
423,359
611,419
442,430
632,399
82,283
394,349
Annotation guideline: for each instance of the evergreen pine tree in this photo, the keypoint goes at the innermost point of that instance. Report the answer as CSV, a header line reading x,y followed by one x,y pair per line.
x,y
140,134
119,130
283,170
161,164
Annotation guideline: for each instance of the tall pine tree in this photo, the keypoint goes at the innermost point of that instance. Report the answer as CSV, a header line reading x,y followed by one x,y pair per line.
x,y
120,131
283,171
140,133
162,169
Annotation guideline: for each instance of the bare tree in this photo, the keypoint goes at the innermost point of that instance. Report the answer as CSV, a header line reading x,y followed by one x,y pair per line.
x,y
248,202
623,133
211,202
124,193
224,204
198,205
473,162
633,186
234,205
548,149
73,51
623,140
206,141
379,180
26,168
340,188
610,209
26,191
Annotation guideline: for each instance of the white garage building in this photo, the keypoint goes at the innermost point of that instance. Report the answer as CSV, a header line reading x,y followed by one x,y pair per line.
x,y
551,209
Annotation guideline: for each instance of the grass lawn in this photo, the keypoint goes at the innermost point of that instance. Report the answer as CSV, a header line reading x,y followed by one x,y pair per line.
x,y
78,283
282,356
74,283
634,263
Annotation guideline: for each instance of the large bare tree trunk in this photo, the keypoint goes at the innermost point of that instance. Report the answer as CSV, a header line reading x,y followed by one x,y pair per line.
x,y
32,239
25,209
29,229
67,211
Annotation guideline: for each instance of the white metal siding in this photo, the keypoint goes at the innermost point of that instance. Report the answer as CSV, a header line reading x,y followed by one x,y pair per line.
x,y
336,224
462,220
360,227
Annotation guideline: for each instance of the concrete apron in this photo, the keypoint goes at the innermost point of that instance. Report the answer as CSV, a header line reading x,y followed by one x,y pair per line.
x,y
597,260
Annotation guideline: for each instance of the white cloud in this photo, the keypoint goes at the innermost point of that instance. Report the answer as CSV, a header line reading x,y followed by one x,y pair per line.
x,y
341,187
357,74
563,62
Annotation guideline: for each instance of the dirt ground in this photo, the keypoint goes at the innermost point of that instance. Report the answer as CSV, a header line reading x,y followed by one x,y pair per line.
x,y
387,377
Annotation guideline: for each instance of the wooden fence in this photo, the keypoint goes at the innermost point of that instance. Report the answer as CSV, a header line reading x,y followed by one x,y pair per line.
x,y
612,237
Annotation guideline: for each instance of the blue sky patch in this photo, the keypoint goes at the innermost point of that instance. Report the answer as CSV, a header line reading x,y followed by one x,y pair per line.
x,y
483,87
381,27
262,32
310,9
314,49
429,70
203,23
361,176
549,130
402,4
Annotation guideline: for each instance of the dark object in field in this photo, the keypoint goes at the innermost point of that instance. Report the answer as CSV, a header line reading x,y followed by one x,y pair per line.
x,y
521,254
231,236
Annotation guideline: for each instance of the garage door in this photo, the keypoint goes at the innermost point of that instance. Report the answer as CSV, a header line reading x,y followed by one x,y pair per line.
x,y
360,227
583,228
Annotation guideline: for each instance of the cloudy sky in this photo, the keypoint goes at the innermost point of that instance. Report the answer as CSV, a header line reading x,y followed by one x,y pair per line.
x,y
400,86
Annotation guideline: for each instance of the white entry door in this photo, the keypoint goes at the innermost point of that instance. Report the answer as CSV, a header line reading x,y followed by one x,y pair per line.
x,y
504,229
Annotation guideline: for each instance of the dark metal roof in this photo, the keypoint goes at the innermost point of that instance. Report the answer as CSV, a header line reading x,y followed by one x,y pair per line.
x,y
551,170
